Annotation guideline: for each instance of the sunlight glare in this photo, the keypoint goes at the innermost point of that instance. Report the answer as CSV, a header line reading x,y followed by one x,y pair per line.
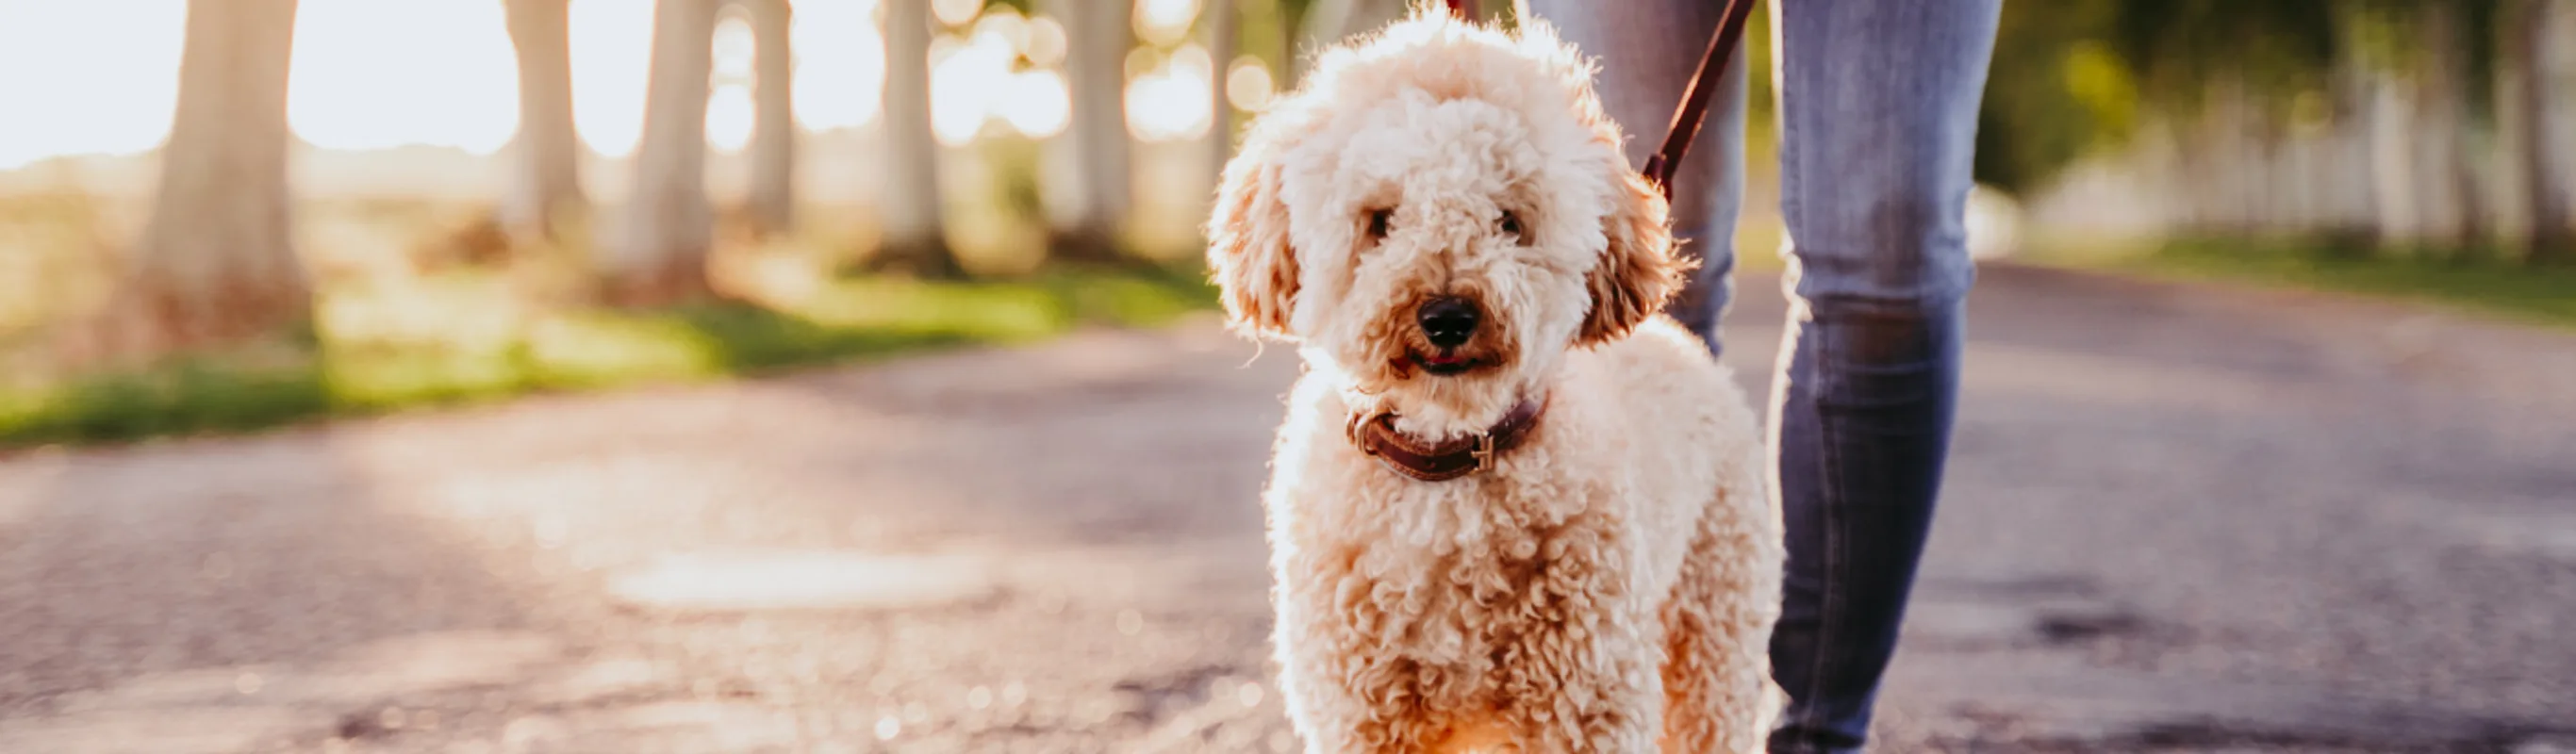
x,y
806,579
368,74
612,55
127,58
839,62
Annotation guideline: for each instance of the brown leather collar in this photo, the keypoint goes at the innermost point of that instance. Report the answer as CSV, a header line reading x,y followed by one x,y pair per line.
x,y
1375,435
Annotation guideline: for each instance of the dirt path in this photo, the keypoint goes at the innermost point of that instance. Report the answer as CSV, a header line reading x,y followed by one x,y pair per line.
x,y
2179,519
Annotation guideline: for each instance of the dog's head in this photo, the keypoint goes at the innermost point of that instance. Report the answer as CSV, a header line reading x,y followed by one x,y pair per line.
x,y
1438,214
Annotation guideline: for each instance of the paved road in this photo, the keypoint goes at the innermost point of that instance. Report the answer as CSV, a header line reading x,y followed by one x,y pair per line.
x,y
2180,519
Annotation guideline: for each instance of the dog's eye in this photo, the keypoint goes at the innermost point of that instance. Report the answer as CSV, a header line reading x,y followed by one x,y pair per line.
x,y
1511,226
1378,219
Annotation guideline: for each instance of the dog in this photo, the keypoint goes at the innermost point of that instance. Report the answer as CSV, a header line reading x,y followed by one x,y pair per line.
x,y
1513,506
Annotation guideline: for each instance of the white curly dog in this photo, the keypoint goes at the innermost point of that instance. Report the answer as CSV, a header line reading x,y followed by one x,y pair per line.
x,y
1513,508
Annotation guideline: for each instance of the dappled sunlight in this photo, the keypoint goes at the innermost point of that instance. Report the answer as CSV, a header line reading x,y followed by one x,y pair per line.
x,y
803,580
368,74
466,312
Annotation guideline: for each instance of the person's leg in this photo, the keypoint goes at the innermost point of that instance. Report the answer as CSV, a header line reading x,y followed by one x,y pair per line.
x,y
1878,105
1647,50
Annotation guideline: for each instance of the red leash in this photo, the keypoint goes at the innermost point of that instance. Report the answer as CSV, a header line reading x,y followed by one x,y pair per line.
x,y
1703,86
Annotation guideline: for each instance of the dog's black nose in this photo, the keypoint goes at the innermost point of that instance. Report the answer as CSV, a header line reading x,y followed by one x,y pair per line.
x,y
1447,321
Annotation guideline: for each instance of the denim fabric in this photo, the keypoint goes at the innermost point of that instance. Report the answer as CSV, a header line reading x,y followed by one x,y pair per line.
x,y
1878,114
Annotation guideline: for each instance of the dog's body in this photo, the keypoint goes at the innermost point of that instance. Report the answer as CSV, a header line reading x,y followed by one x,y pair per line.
x,y
1443,221
1619,559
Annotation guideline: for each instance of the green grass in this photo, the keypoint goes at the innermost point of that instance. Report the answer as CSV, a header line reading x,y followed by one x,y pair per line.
x,y
2538,295
344,373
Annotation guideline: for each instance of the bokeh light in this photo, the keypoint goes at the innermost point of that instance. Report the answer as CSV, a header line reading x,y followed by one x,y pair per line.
x,y
734,47
1163,22
1174,100
731,117
1039,105
1247,84
956,12
1046,42
839,63
1013,28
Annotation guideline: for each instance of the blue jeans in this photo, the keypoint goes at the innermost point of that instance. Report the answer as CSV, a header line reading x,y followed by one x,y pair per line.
x,y
1878,112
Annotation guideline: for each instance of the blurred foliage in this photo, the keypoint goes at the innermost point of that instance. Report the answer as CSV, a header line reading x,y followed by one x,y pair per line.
x,y
2073,76
2544,296
349,371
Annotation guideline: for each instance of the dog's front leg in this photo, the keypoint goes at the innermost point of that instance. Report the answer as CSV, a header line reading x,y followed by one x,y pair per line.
x,y
1345,691
1581,676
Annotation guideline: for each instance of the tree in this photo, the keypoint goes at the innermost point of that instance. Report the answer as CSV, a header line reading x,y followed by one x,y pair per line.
x,y
773,143
1087,220
914,240
217,259
668,224
2442,97
2534,52
1225,36
546,176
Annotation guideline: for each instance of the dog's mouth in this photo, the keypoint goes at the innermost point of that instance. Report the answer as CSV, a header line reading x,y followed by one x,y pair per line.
x,y
1445,363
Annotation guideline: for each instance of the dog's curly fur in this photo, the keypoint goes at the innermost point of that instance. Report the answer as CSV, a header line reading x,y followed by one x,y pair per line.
x,y
1610,586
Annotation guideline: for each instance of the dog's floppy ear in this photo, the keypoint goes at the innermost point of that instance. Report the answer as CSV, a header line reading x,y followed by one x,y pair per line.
x,y
1248,246
1639,270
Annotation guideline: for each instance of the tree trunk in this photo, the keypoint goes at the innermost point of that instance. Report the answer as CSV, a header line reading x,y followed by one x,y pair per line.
x,y
773,143
1094,150
914,240
2448,185
2349,174
217,260
546,175
669,225
2537,54
2395,198
1225,37
2238,164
